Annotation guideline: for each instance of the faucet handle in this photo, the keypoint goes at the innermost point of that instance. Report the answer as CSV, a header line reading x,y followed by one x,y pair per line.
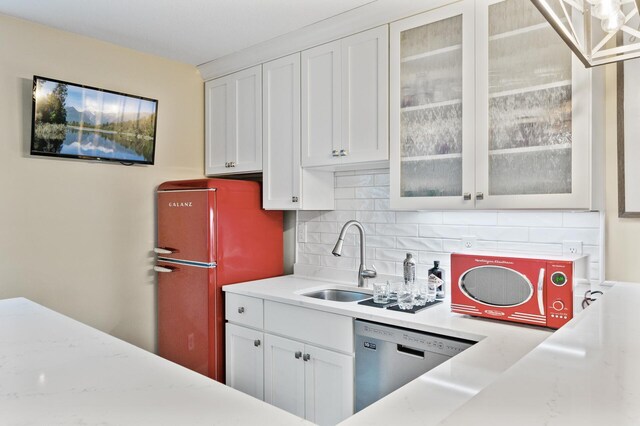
x,y
370,273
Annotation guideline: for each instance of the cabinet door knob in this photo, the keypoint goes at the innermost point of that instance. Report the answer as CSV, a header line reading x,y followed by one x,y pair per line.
x,y
226,164
256,343
232,164
467,196
306,357
298,354
334,153
479,196
294,199
241,310
344,153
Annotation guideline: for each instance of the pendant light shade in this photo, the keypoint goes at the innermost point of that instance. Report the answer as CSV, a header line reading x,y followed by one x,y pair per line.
x,y
598,31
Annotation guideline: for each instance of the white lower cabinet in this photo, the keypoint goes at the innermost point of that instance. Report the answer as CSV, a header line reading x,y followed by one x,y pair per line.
x,y
298,359
245,360
308,381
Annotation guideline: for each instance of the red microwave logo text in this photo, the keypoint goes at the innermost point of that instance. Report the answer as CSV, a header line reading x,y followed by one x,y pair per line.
x,y
494,261
494,313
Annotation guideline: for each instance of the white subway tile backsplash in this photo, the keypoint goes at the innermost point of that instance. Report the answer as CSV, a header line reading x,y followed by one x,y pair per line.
x,y
431,235
376,217
550,235
499,233
355,204
443,231
526,218
419,217
340,216
382,180
344,193
404,230
322,227
354,181
428,244
581,219
530,247
382,204
470,218
373,192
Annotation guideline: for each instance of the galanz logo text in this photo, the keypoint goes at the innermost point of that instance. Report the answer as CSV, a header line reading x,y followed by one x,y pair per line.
x,y
181,204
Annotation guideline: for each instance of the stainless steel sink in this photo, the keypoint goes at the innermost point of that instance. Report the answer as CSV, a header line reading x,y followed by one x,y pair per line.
x,y
338,295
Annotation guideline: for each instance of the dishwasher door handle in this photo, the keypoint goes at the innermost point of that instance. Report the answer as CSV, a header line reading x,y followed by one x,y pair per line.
x,y
410,351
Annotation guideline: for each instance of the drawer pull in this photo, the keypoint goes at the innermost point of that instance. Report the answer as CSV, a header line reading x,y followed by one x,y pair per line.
x,y
256,343
298,354
306,357
241,310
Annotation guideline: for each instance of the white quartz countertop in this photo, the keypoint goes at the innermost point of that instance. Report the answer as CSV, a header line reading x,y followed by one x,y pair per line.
x,y
586,373
57,371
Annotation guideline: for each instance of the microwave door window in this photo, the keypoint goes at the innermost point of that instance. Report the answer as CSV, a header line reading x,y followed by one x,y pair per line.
x,y
496,286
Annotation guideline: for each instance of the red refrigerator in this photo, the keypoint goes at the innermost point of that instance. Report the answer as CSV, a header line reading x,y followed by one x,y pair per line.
x,y
211,232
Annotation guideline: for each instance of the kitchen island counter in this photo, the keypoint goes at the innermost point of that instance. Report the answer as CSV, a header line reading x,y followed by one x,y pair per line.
x,y
57,371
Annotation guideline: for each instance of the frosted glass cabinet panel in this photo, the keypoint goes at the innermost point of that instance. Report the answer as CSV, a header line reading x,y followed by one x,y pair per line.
x,y
533,138
431,112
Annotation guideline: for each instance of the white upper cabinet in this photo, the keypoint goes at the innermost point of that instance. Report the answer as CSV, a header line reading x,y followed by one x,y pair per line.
x,y
531,138
345,100
432,109
286,186
233,126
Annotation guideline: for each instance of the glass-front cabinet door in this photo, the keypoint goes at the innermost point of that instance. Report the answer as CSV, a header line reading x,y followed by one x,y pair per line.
x,y
532,127
432,102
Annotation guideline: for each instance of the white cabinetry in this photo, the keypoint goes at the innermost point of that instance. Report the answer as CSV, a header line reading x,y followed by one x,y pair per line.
x,y
244,360
285,184
308,381
345,100
233,127
532,136
298,359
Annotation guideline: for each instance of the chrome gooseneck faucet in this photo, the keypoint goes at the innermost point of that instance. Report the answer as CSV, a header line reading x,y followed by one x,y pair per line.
x,y
363,272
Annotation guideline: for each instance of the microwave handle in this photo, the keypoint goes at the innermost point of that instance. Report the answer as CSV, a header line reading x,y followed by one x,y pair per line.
x,y
541,291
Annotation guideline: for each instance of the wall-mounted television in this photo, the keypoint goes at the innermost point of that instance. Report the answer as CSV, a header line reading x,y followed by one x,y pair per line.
x,y
77,121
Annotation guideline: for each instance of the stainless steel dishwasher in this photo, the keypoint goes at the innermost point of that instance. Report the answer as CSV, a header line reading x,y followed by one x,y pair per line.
x,y
389,357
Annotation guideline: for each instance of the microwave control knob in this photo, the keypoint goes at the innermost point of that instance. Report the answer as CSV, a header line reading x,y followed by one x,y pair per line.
x,y
558,305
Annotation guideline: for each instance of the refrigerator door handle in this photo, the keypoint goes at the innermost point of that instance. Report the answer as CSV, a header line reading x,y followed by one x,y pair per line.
x,y
161,250
164,269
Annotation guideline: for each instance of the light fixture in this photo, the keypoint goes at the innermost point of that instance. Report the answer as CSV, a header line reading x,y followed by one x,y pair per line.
x,y
598,31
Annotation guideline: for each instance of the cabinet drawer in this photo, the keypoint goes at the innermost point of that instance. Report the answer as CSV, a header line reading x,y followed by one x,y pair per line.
x,y
243,310
309,325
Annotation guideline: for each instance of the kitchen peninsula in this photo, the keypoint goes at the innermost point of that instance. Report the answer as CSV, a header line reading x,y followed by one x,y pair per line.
x,y
56,370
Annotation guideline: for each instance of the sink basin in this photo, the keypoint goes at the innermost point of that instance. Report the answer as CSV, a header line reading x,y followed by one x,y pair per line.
x,y
338,295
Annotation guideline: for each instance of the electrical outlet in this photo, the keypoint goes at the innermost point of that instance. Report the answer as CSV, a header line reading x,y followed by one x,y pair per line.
x,y
572,247
302,232
468,242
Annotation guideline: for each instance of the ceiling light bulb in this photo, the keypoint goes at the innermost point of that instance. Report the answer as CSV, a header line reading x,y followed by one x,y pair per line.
x,y
606,8
613,23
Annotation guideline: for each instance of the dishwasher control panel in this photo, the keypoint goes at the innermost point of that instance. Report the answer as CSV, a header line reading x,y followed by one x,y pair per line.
x,y
444,345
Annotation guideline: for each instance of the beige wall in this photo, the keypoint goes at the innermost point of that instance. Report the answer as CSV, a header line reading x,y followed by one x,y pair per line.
x,y
622,236
77,236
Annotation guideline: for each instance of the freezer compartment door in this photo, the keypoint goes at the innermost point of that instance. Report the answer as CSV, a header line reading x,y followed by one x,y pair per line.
x,y
186,296
185,222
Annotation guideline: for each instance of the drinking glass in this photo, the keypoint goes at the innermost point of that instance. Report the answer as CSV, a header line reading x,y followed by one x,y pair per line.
x,y
381,292
420,293
405,297
394,288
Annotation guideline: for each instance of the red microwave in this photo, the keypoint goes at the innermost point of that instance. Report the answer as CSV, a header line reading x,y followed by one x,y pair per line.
x,y
527,289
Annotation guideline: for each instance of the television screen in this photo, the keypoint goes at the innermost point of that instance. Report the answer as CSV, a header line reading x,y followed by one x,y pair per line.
x,y
76,121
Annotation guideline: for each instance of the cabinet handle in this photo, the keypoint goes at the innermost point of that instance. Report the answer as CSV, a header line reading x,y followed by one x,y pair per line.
x,y
479,196
241,310
467,196
298,354
294,199
256,343
344,153
334,153
232,164
226,164
306,357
